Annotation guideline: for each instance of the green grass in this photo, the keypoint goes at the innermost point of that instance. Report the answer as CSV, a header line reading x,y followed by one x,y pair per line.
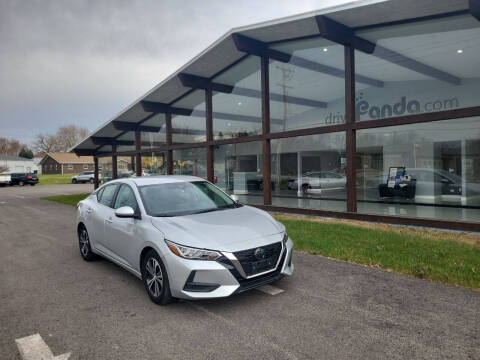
x,y
447,261
441,260
55,179
67,199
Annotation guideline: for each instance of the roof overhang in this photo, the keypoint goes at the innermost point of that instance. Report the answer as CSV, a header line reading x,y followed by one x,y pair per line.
x,y
224,52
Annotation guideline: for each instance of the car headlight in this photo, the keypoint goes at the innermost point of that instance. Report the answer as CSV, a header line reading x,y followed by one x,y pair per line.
x,y
285,239
192,253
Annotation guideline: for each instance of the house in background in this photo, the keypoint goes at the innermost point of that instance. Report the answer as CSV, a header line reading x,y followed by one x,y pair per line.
x,y
17,164
65,163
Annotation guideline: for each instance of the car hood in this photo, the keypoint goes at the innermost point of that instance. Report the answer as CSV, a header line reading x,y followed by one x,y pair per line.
x,y
224,230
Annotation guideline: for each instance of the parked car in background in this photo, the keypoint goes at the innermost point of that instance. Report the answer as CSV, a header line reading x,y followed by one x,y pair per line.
x,y
5,179
84,177
108,176
23,179
318,180
183,236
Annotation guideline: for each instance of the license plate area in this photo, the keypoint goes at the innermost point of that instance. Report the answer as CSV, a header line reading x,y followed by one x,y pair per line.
x,y
262,265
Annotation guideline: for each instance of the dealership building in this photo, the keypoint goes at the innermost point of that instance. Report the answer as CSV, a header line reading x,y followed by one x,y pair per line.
x,y
367,111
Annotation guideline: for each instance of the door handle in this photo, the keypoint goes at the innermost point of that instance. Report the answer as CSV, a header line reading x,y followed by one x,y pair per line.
x,y
109,220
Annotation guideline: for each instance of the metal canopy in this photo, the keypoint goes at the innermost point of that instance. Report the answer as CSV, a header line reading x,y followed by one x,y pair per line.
x,y
224,52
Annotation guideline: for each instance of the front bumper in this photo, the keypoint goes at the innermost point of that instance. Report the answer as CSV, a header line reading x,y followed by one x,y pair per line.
x,y
196,279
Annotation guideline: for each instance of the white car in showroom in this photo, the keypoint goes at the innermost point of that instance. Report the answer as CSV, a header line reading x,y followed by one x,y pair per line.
x,y
183,236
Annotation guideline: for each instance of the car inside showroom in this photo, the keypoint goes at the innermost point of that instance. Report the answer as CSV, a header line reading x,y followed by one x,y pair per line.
x,y
368,111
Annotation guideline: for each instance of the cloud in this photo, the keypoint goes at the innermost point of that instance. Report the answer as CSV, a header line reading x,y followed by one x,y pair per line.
x,y
81,62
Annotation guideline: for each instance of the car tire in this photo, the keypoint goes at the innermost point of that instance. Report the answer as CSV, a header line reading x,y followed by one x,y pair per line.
x,y
32,184
305,188
84,244
155,279
74,181
21,183
92,181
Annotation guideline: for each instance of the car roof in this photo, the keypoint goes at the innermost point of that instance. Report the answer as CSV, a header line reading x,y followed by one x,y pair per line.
x,y
158,179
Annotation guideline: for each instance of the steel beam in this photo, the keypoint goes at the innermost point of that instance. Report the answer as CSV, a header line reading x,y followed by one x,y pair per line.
x,y
341,34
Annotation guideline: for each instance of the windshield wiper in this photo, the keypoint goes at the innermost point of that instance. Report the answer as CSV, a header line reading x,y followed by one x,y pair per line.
x,y
204,211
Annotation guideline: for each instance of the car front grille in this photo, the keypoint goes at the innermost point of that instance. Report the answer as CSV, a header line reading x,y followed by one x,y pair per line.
x,y
261,259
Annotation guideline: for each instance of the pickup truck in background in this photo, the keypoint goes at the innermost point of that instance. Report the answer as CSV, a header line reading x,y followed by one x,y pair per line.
x,y
5,179
24,179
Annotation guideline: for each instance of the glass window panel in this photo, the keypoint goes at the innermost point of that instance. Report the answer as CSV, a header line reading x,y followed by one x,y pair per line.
x,y
154,139
309,90
238,170
438,167
190,162
192,128
105,169
128,136
238,112
309,172
154,163
449,48
125,166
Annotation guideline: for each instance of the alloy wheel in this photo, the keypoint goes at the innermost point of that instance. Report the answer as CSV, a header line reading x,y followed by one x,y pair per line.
x,y
154,277
84,242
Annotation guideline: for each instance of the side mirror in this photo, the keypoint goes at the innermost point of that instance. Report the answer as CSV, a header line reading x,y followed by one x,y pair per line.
x,y
125,212
235,198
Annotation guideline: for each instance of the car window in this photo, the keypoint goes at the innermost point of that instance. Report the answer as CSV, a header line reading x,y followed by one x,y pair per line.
x,y
126,197
184,198
107,195
99,193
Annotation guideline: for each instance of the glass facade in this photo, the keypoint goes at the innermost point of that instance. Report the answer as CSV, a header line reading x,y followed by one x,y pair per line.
x,y
309,90
154,163
155,139
429,170
238,170
190,162
190,128
410,163
309,172
423,67
237,111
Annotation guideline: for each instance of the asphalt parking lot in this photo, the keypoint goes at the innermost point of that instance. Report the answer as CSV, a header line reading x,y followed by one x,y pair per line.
x,y
328,310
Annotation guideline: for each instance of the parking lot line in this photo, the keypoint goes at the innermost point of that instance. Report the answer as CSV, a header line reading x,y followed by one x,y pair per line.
x,y
34,348
270,289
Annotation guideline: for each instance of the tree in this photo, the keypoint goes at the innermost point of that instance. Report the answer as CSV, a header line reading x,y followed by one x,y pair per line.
x,y
64,139
10,146
26,153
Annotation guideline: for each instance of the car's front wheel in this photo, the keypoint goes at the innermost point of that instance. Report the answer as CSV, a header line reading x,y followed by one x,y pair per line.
x,y
84,243
155,278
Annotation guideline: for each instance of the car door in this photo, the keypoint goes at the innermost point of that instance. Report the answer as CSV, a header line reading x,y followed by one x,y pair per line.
x,y
102,210
122,233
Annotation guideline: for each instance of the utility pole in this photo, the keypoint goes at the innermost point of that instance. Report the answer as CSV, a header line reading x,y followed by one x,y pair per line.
x,y
287,75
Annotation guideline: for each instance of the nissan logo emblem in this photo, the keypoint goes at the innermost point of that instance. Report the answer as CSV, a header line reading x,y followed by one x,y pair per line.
x,y
259,253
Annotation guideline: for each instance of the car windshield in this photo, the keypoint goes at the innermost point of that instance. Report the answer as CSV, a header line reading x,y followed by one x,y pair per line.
x,y
184,198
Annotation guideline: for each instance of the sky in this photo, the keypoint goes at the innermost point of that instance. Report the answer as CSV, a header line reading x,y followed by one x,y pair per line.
x,y
66,62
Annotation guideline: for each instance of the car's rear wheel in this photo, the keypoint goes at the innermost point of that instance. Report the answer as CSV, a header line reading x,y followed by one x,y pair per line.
x,y
21,183
91,181
32,184
74,181
155,278
305,188
84,243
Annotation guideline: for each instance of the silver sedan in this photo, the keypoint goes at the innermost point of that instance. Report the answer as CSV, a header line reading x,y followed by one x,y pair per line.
x,y
183,236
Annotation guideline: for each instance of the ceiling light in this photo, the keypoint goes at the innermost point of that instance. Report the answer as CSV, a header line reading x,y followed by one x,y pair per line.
x,y
459,51
325,49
